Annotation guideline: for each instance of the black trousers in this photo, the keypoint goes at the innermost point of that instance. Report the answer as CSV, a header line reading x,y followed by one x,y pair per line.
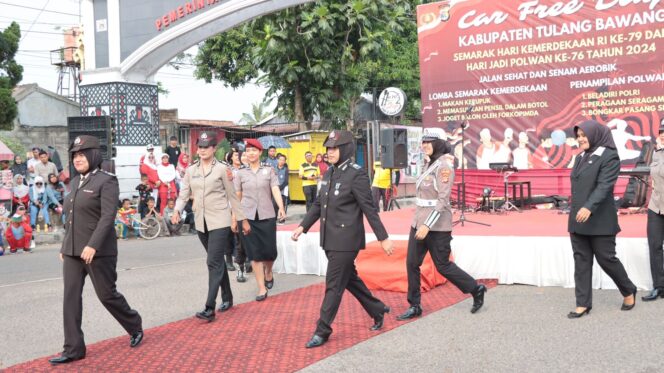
x,y
604,250
378,194
439,245
215,242
310,194
655,241
103,274
341,275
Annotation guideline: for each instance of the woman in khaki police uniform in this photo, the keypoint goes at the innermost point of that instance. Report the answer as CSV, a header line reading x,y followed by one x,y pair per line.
x,y
431,229
209,183
90,248
256,185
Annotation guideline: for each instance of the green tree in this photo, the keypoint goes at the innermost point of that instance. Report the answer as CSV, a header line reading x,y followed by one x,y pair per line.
x,y
316,58
258,113
11,74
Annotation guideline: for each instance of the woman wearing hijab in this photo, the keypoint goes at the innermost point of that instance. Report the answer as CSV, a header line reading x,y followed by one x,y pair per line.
x,y
235,242
90,248
593,219
21,192
41,198
183,163
322,165
19,167
167,174
431,228
655,225
255,186
149,167
344,198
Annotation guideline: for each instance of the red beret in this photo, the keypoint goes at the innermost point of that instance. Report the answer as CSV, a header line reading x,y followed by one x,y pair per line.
x,y
253,143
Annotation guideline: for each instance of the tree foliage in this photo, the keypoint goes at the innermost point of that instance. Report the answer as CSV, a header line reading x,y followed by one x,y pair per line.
x,y
316,58
257,115
11,74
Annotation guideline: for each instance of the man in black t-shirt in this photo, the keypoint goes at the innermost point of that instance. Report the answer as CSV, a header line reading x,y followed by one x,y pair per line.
x,y
173,151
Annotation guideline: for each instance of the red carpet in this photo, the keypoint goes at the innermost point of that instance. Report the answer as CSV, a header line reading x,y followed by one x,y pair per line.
x,y
527,223
267,336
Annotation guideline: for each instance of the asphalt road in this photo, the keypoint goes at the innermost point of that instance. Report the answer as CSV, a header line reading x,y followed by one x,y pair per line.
x,y
164,279
521,328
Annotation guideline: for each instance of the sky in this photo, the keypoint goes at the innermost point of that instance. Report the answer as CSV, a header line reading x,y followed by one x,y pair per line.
x,y
41,32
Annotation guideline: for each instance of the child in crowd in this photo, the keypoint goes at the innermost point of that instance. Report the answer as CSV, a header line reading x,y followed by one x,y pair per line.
x,y
4,221
151,211
18,235
22,212
173,229
144,192
123,220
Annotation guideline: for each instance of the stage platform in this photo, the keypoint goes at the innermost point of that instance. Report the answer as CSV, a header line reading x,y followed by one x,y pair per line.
x,y
530,247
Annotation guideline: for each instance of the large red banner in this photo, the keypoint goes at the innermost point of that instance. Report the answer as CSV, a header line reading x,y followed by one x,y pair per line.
x,y
524,73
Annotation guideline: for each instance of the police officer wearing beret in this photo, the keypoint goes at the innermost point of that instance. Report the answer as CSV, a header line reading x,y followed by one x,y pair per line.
x,y
431,228
345,196
90,248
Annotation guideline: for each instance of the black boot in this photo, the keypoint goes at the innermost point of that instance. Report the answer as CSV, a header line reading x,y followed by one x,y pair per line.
x,y
240,275
229,263
411,313
378,321
478,298
653,295
207,314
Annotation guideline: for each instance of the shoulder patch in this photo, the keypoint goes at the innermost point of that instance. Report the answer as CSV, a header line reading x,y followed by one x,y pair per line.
x,y
356,166
445,175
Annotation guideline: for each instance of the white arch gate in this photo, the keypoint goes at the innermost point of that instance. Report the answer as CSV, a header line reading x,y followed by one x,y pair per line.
x,y
128,41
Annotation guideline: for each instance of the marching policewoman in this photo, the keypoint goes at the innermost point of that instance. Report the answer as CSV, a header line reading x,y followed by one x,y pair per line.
x,y
90,249
345,196
431,228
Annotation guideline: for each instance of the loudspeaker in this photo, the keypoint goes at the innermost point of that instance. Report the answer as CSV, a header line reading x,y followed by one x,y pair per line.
x,y
394,148
99,127
103,128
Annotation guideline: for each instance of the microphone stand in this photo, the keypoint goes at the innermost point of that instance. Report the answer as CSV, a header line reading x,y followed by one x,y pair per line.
x,y
462,217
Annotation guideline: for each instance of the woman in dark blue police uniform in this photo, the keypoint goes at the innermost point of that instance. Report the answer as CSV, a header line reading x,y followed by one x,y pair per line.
x,y
593,219
345,196
90,248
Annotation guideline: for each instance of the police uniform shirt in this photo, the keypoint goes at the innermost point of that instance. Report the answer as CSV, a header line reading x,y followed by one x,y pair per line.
x,y
433,197
256,188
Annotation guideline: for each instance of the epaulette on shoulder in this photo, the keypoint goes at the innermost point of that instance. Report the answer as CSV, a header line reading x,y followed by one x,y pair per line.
x,y
108,173
356,166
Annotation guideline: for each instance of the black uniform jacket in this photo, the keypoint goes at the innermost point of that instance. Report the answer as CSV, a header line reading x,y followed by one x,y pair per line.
x,y
345,195
91,210
592,188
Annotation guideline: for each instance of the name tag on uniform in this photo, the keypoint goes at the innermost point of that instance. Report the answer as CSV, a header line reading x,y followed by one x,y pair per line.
x,y
324,182
88,191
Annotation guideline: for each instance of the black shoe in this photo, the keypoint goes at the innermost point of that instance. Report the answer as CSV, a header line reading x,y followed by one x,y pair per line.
x,y
478,298
269,284
378,321
240,276
316,341
229,263
248,268
136,339
260,298
64,360
576,315
225,306
411,313
207,314
653,295
627,307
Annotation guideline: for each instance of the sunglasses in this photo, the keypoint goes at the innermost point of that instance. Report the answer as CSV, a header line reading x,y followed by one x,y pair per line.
x,y
39,183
